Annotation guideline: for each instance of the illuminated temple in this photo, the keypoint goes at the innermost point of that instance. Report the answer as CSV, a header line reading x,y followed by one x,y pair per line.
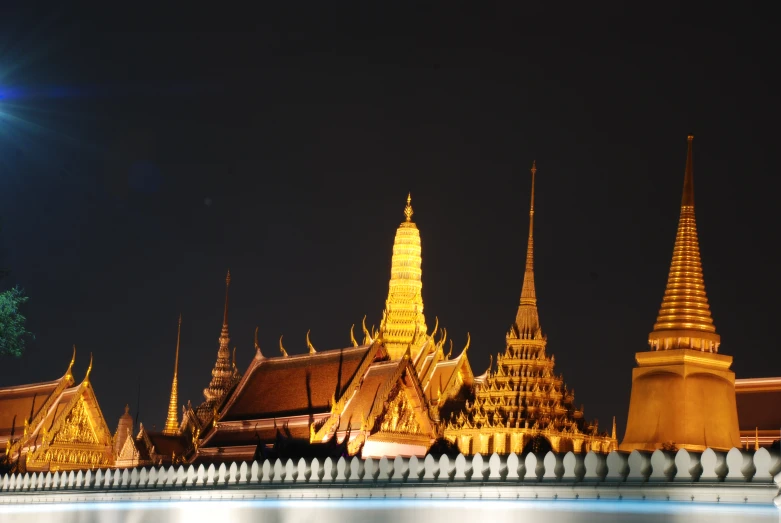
x,y
523,405
402,392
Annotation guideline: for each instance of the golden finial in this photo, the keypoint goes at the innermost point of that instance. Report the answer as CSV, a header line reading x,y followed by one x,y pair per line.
x,y
408,208
367,338
450,352
89,369
258,354
281,348
614,428
468,342
309,344
352,336
69,372
436,326
756,438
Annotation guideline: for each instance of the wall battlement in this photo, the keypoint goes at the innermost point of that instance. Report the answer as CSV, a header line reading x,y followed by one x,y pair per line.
x,y
737,476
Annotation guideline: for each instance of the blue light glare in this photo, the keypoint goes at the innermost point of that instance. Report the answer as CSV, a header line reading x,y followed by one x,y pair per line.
x,y
431,511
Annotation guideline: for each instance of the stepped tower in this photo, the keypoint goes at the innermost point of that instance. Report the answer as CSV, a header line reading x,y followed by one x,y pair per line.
x,y
523,405
403,324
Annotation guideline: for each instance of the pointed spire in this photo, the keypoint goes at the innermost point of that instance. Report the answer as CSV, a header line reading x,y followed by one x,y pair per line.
x,y
225,311
403,317
172,421
684,320
688,178
224,374
613,434
527,320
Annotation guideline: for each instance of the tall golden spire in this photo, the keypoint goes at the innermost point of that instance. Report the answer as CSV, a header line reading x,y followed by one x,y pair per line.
x,y
403,324
527,320
684,320
172,421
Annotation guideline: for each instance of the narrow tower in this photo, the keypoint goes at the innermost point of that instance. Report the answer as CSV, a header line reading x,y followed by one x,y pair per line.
x,y
403,324
683,393
223,373
527,320
172,421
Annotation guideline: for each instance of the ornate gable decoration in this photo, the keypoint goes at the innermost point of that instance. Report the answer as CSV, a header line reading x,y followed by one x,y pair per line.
x,y
79,437
399,415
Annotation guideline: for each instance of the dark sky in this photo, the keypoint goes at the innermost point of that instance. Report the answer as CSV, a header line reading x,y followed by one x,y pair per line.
x,y
144,154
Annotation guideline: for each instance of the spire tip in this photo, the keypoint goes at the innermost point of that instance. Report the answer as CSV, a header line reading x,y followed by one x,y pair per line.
x,y
408,208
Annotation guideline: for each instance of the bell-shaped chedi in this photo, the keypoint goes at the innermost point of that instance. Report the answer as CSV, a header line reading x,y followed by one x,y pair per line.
x,y
683,393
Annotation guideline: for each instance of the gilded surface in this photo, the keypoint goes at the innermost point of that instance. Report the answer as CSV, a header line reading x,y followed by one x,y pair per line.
x,y
399,414
523,404
77,427
172,420
403,324
683,393
684,320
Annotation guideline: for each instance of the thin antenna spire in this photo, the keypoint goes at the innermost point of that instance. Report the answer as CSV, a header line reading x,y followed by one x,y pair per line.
x,y
227,287
138,400
688,178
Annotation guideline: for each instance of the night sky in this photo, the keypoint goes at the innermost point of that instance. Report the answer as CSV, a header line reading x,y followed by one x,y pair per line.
x,y
144,154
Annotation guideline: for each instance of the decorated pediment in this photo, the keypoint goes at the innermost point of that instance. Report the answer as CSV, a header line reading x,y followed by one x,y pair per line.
x,y
399,415
78,437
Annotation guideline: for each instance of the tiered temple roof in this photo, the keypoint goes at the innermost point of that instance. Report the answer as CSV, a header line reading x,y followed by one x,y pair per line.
x,y
522,404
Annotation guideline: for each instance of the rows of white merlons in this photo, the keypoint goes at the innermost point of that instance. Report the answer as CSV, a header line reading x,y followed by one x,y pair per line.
x,y
734,467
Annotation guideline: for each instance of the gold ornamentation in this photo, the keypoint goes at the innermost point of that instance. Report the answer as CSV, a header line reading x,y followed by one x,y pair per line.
x,y
399,415
172,421
281,348
77,427
522,400
684,320
403,321
309,344
352,336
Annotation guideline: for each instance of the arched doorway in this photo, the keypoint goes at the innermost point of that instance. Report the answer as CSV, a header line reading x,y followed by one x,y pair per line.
x,y
538,445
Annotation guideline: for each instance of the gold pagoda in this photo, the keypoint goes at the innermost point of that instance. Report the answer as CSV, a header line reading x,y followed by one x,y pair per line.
x,y
403,326
523,405
683,391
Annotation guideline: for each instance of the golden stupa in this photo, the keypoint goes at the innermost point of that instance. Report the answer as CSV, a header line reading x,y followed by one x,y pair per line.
x,y
683,393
